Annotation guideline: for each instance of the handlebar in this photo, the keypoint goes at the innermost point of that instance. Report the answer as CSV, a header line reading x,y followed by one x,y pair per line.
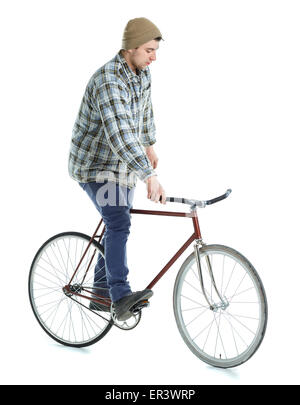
x,y
197,203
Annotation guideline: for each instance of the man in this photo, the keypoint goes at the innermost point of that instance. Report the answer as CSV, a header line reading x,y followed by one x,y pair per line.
x,y
112,145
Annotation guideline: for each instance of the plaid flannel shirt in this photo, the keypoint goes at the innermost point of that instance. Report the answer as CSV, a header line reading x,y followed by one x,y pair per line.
x,y
114,124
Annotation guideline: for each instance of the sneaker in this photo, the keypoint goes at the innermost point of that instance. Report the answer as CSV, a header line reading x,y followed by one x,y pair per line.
x,y
122,307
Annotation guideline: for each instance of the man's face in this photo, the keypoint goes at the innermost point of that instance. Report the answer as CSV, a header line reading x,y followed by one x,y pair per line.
x,y
144,54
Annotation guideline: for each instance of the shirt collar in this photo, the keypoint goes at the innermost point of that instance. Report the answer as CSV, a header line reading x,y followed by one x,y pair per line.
x,y
129,73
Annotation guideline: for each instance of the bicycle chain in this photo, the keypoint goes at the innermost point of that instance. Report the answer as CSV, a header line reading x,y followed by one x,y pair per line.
x,y
109,321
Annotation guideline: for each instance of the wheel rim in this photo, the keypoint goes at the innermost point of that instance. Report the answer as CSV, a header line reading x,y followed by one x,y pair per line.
x,y
66,318
228,336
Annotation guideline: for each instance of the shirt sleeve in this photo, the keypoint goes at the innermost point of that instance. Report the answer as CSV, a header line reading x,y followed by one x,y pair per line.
x,y
148,129
120,131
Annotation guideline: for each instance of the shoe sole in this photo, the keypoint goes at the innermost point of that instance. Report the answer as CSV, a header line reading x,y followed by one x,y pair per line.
x,y
128,314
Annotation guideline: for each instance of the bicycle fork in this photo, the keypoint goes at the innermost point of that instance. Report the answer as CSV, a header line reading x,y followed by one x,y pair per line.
x,y
212,306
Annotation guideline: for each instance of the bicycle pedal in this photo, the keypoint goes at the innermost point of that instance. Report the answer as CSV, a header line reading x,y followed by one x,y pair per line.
x,y
139,305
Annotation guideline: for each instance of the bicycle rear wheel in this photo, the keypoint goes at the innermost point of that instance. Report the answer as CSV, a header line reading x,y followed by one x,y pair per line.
x,y
221,335
67,317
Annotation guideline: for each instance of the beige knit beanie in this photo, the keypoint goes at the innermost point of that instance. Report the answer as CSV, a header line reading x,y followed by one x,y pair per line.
x,y
139,31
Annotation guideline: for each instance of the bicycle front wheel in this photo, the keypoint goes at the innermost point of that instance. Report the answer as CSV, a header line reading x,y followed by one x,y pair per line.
x,y
67,317
229,331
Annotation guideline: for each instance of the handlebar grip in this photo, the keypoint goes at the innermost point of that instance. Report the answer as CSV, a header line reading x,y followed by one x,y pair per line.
x,y
222,197
175,199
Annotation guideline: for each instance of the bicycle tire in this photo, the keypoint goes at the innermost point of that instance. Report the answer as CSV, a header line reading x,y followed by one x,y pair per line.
x,y
32,274
184,320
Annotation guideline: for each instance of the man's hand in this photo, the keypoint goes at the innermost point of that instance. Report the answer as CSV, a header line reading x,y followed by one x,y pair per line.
x,y
152,156
155,190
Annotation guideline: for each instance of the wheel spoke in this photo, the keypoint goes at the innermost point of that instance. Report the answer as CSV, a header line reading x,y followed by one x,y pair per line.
x,y
242,292
200,333
233,335
49,262
208,333
219,335
47,279
230,277
202,306
196,317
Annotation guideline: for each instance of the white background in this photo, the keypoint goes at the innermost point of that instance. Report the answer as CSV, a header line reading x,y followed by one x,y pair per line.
x,y
225,91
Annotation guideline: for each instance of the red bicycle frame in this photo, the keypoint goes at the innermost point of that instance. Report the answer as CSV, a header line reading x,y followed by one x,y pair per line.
x,y
196,235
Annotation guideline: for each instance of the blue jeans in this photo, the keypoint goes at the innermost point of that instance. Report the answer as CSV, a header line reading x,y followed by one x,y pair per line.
x,y
114,203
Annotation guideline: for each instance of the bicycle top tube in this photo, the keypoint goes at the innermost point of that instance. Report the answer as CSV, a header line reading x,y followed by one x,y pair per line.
x,y
198,203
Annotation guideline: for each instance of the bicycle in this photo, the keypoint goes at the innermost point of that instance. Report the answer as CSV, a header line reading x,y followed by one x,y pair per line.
x,y
219,301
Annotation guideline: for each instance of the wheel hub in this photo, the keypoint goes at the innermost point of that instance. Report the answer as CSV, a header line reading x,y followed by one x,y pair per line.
x,y
221,305
69,290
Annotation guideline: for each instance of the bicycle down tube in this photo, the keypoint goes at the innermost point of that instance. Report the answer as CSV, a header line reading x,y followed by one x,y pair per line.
x,y
196,235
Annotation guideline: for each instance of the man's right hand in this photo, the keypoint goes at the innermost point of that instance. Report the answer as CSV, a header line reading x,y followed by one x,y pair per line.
x,y
154,190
